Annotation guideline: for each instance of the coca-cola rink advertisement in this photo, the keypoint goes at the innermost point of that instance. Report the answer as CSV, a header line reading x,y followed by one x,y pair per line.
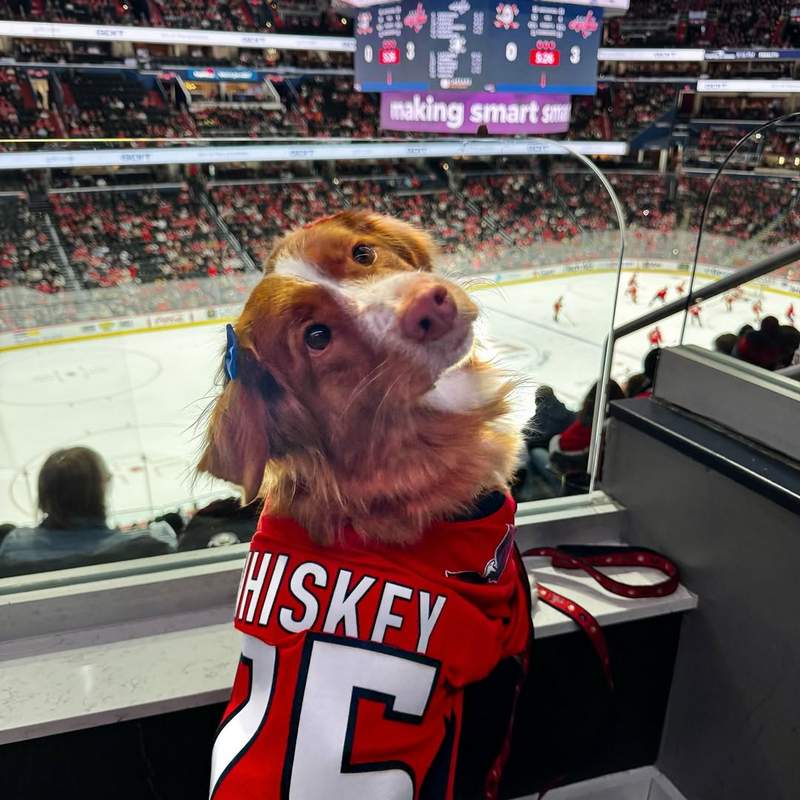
x,y
464,112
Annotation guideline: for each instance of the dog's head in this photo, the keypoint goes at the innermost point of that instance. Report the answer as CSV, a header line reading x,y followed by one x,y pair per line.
x,y
347,349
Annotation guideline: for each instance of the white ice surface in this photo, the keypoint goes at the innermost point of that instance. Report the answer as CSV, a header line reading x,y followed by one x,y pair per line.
x,y
136,398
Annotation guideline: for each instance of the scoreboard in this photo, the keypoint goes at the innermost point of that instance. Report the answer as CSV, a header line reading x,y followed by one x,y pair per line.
x,y
477,45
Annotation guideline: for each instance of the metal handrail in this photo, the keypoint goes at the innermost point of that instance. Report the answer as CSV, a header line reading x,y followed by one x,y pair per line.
x,y
769,264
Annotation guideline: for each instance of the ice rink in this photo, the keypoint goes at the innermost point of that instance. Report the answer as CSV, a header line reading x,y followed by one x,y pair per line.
x,y
136,398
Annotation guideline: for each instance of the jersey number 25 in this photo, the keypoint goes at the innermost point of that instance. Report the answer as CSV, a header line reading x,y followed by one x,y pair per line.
x,y
334,676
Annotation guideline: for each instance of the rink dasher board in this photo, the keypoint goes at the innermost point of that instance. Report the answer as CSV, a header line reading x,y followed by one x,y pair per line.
x,y
172,320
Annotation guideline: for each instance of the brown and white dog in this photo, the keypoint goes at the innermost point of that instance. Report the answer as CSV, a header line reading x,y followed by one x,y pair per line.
x,y
381,582
359,400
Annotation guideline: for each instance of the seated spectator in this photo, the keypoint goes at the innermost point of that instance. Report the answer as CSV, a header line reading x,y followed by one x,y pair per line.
x,y
5,529
72,490
551,418
763,347
641,384
790,342
725,343
221,523
568,452
638,385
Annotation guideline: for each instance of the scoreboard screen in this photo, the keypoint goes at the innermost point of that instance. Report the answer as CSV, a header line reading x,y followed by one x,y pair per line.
x,y
477,45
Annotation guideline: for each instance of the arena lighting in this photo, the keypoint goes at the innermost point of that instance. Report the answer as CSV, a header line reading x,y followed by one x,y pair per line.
x,y
281,41
310,150
753,86
797,161
678,54
144,35
782,160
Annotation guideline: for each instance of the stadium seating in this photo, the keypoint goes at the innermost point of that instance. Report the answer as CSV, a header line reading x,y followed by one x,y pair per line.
x,y
120,237
331,107
258,213
22,113
116,104
722,24
243,122
296,16
27,255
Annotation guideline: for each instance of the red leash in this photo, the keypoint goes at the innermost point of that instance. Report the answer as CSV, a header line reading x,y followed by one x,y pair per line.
x,y
588,558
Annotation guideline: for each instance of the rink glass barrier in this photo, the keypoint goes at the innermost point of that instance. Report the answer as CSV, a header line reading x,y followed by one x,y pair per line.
x,y
753,212
762,207
117,281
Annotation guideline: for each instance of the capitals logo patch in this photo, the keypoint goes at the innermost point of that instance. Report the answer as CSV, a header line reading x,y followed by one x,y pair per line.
x,y
495,566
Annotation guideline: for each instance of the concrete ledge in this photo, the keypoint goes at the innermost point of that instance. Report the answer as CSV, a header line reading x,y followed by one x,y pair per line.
x,y
645,783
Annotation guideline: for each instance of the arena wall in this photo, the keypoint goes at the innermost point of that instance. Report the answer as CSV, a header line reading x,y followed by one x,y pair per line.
x,y
118,325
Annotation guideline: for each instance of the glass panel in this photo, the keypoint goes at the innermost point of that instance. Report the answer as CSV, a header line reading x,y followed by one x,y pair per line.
x,y
118,278
751,215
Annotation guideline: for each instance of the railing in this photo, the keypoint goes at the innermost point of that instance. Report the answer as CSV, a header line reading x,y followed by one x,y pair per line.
x,y
769,264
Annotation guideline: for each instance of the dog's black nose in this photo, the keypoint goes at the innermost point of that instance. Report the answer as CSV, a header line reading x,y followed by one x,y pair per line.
x,y
429,314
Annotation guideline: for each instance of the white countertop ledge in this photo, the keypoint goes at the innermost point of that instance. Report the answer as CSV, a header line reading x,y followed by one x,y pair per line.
x,y
81,687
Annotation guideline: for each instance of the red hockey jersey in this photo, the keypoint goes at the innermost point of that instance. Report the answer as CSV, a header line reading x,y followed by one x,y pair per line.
x,y
356,657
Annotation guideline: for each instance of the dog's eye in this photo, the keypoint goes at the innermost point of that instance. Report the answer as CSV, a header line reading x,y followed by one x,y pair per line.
x,y
363,254
317,337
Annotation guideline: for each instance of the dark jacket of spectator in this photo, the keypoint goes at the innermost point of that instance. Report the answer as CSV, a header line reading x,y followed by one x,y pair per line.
x,y
551,417
221,523
569,451
40,549
72,487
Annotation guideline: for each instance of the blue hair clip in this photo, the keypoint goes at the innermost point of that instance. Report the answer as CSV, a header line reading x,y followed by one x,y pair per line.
x,y
231,353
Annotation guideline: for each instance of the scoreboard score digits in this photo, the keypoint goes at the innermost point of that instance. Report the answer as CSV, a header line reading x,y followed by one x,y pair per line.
x,y
478,45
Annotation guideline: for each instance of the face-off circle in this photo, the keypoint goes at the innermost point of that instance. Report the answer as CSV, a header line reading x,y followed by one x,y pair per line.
x,y
62,375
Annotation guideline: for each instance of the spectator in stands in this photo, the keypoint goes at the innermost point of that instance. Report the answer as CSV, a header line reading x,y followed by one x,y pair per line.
x,y
641,384
221,523
551,418
637,385
725,343
763,347
72,488
568,452
790,342
5,529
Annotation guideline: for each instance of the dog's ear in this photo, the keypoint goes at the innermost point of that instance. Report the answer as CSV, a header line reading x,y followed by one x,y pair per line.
x,y
238,439
413,245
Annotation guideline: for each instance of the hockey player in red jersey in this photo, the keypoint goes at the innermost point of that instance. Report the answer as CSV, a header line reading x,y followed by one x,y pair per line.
x,y
661,295
694,315
557,306
633,288
655,338
680,288
729,300
758,308
790,314
383,579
